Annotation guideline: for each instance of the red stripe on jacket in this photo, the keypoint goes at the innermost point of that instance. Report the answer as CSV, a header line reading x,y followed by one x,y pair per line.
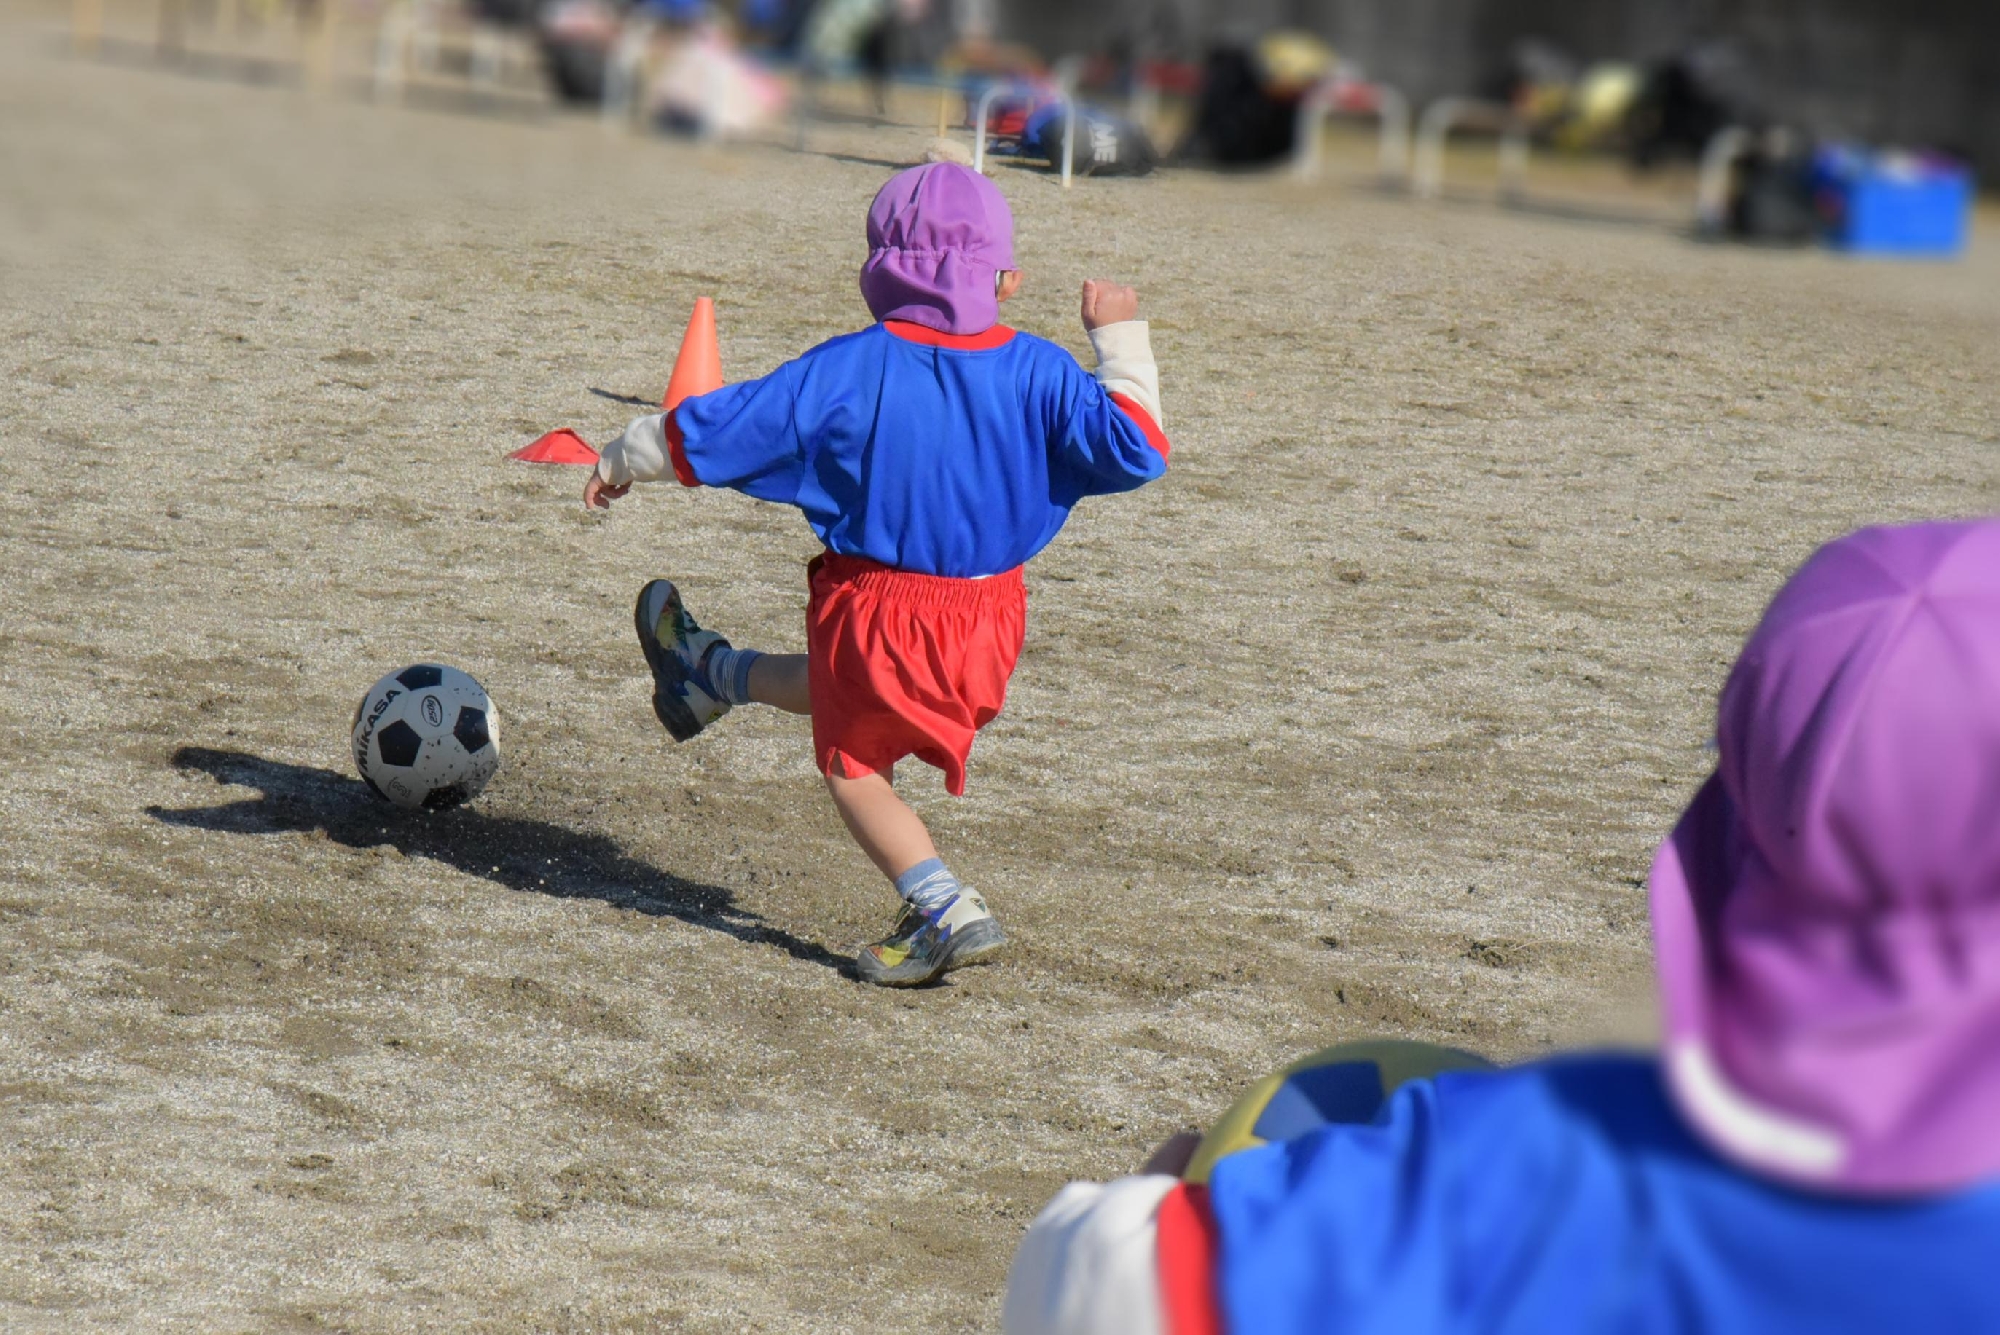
x,y
1132,408
677,451
1186,1254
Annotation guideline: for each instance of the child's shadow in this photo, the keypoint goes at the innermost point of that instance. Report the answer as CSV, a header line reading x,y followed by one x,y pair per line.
x,y
529,855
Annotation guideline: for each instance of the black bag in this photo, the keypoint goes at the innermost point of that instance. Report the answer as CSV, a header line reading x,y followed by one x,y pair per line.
x,y
1239,122
1773,200
1104,145
575,68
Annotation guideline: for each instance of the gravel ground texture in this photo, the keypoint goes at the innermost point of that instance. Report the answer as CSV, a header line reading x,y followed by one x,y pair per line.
x,y
1364,721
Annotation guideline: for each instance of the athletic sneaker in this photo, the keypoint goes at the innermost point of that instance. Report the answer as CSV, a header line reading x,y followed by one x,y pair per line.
x,y
923,946
676,650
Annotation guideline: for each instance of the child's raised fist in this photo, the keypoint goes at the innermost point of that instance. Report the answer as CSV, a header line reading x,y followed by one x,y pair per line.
x,y
1106,302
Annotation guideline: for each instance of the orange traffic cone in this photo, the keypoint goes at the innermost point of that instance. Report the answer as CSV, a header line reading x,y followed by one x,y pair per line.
x,y
699,367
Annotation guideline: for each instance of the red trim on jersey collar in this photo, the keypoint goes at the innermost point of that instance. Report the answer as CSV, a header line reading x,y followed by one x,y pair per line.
x,y
985,341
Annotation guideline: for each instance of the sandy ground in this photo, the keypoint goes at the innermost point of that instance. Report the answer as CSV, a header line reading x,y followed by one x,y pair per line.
x,y
1364,721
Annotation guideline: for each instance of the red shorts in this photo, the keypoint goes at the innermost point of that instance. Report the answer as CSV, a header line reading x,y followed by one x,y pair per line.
x,y
906,665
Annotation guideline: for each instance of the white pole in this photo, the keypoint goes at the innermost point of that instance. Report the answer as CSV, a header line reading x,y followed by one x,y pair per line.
x,y
621,73
1068,70
1069,138
1432,127
986,101
1513,159
488,55
1393,153
1711,199
392,51
425,41
1313,109
714,87
1437,122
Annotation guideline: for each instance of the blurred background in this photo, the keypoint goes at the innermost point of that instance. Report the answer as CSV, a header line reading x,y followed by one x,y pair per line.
x,y
1921,73
1859,123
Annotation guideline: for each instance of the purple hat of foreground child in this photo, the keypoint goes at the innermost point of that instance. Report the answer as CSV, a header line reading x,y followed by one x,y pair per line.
x,y
937,235
1827,913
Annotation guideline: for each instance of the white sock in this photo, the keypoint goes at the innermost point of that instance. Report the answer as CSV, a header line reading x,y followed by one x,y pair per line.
x,y
728,672
928,886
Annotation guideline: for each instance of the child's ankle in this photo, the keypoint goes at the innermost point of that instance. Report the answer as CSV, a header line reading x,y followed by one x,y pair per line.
x,y
928,886
728,671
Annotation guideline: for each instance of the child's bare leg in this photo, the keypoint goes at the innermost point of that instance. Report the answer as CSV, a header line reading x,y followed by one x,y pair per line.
x,y
942,924
892,835
780,680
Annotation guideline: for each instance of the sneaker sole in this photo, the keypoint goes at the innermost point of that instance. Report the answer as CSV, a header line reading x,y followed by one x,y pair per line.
x,y
968,945
668,674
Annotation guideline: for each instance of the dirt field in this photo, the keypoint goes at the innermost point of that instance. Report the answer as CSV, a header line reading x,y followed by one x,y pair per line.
x,y
1364,721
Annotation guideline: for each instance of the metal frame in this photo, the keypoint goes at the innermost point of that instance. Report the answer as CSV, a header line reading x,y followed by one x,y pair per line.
x,y
624,69
1437,122
393,40
1392,110
314,28
410,36
993,94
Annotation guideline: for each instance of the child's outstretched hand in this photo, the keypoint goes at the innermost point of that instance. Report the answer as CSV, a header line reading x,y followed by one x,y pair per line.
x,y
1106,302
598,494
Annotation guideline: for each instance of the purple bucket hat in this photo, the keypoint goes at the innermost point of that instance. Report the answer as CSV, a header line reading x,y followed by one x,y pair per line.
x,y
1827,913
937,235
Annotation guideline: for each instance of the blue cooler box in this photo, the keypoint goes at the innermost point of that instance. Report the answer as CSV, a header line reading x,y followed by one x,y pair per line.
x,y
1893,203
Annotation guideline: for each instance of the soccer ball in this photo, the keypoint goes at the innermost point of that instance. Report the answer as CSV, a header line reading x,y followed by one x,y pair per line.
x,y
426,736
1348,1082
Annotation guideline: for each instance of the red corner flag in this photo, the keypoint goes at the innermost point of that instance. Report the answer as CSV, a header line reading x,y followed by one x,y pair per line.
x,y
698,369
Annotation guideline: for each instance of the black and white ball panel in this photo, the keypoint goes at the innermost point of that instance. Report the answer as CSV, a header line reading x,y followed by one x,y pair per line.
x,y
426,736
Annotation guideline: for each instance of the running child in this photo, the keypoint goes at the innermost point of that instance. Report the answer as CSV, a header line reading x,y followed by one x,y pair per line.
x,y
933,454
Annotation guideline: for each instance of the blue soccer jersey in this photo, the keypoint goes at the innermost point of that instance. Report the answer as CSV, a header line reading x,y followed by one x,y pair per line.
x,y
934,453
1569,1196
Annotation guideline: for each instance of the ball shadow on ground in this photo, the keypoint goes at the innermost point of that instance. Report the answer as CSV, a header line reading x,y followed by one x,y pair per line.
x,y
532,856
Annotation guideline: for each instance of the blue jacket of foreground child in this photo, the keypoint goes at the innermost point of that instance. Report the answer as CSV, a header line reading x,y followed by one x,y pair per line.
x,y
1570,1195
1817,1148
957,455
